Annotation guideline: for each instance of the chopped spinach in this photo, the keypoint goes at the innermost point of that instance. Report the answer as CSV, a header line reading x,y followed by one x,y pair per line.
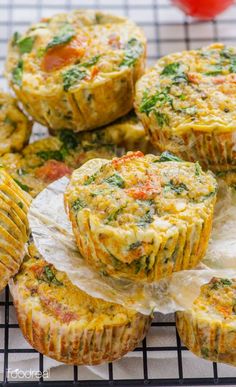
x,y
212,193
147,218
113,215
171,69
115,181
133,49
78,205
16,36
90,179
198,169
72,76
25,45
20,204
232,67
220,282
17,73
138,266
22,186
168,156
65,36
91,61
149,103
214,70
162,119
230,55
205,352
135,245
49,277
51,155
68,138
175,72
10,122
176,187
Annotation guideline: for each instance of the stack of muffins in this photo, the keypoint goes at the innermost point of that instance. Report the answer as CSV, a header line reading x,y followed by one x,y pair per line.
x,y
134,215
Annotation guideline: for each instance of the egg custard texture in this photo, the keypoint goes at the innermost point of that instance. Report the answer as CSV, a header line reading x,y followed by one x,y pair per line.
x,y
51,158
187,103
141,217
208,329
77,70
63,322
14,205
15,128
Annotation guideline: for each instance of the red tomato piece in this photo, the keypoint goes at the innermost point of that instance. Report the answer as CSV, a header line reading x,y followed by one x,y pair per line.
x,y
148,190
52,170
58,309
203,9
62,55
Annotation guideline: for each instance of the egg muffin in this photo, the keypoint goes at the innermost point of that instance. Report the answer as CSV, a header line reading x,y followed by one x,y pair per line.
x,y
48,159
208,329
63,322
77,70
187,103
15,127
14,205
141,217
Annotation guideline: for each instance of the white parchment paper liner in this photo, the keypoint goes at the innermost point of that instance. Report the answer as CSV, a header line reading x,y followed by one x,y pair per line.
x,y
53,236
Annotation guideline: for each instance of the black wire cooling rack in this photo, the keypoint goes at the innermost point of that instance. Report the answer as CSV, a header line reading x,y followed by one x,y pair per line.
x,y
167,30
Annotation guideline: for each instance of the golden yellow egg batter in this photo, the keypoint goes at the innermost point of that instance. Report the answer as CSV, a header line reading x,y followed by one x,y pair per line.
x,y
208,329
63,322
187,103
48,159
14,205
15,127
141,217
77,70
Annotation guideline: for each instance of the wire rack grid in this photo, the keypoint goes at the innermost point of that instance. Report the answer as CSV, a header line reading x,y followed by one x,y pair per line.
x,y
167,30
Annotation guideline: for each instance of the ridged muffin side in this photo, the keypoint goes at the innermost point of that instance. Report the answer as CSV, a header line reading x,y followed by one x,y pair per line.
x,y
187,104
14,205
141,217
208,329
48,159
15,127
90,60
63,322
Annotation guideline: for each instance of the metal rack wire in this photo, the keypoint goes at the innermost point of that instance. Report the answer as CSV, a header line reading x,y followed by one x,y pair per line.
x,y
167,30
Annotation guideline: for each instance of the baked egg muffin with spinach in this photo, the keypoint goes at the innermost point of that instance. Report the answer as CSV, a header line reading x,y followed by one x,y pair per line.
x,y
77,70
208,329
15,127
14,205
51,158
141,217
65,323
187,103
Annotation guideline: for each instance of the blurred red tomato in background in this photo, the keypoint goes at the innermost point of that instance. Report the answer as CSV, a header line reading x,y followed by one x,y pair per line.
x,y
203,9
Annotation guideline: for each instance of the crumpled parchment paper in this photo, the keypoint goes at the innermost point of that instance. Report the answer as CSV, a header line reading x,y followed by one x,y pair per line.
x,y
53,236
